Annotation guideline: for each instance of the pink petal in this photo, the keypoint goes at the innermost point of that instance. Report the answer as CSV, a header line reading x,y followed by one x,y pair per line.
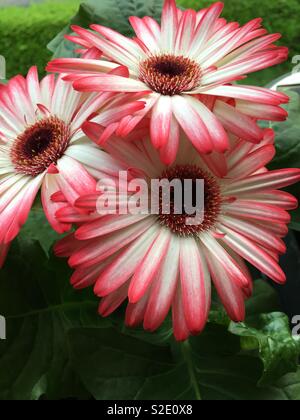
x,y
237,123
169,22
113,51
230,294
217,163
253,162
125,264
205,27
136,311
258,234
112,302
49,187
145,272
73,179
107,225
98,250
195,284
262,111
14,216
161,119
248,93
80,65
120,40
181,331
255,255
86,277
66,246
164,288
109,83
229,264
169,151
266,181
251,210
215,129
192,124
277,198
145,33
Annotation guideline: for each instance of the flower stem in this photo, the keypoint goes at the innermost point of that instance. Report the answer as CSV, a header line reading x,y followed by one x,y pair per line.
x,y
187,354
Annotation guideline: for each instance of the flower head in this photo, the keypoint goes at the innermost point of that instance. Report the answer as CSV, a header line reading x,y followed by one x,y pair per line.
x,y
184,70
159,260
42,146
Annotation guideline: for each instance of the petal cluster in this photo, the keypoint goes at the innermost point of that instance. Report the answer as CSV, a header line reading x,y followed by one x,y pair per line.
x,y
185,70
163,105
136,258
42,146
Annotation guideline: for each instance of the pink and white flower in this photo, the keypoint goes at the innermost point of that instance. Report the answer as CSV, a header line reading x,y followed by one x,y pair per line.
x,y
43,147
184,70
159,262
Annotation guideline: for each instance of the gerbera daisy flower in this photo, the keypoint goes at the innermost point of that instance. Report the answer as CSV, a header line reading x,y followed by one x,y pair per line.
x,y
42,146
159,261
181,68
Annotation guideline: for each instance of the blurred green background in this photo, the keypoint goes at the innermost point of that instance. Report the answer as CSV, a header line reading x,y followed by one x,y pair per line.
x,y
25,31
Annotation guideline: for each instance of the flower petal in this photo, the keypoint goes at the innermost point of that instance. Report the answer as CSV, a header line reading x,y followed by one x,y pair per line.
x,y
145,272
192,124
195,285
164,289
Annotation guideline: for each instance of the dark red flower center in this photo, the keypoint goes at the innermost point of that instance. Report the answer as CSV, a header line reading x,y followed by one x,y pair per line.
x,y
170,75
40,145
211,205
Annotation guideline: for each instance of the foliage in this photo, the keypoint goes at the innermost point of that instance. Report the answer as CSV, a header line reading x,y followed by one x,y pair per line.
x,y
25,32
59,347
101,13
238,10
287,135
288,145
31,29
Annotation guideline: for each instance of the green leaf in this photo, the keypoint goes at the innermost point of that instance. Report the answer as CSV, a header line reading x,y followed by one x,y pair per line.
x,y
114,366
211,366
267,333
39,306
37,228
287,135
112,13
58,346
271,336
295,223
288,144
264,300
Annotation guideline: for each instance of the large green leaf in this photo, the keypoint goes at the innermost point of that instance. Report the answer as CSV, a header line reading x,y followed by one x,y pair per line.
x,y
288,134
39,307
267,333
58,346
112,13
37,228
115,366
211,366
295,224
264,300
271,336
288,145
